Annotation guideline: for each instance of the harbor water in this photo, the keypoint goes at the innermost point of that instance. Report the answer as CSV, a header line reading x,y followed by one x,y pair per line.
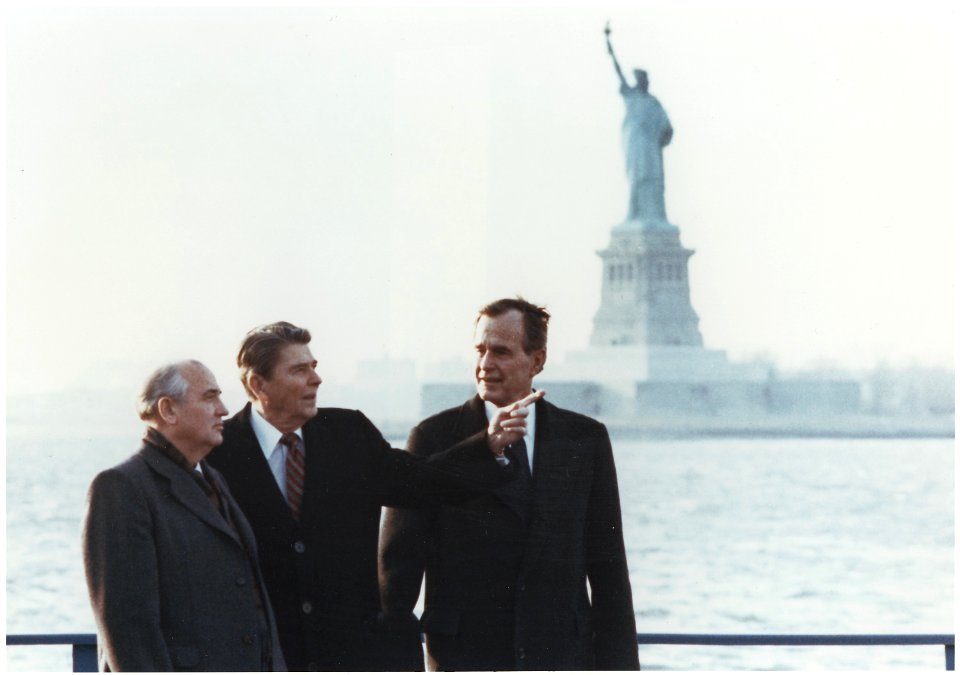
x,y
722,535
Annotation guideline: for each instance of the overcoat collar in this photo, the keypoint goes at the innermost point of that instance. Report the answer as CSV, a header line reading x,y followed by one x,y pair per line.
x,y
472,418
185,489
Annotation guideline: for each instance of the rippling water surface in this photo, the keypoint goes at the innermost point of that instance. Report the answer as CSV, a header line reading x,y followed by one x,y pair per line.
x,y
723,536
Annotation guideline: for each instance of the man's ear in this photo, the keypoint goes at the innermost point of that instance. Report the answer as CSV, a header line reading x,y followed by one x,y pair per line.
x,y
166,410
255,382
539,360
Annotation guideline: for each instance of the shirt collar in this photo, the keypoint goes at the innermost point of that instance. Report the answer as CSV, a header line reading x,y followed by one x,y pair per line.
x,y
267,435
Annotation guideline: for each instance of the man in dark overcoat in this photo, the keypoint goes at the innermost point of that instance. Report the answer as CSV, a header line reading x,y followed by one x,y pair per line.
x,y
507,572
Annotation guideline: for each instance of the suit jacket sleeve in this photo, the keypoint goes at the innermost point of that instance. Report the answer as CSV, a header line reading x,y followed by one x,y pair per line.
x,y
423,479
612,598
119,558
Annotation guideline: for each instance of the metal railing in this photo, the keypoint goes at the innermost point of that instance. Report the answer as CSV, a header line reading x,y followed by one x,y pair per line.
x,y
84,647
85,644
741,640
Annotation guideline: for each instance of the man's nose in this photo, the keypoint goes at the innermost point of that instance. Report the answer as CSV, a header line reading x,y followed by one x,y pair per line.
x,y
222,409
315,378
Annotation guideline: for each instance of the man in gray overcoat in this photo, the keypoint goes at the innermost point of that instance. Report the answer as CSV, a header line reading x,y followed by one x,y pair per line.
x,y
170,560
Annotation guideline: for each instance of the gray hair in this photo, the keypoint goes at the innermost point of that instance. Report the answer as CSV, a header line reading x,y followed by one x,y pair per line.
x,y
165,382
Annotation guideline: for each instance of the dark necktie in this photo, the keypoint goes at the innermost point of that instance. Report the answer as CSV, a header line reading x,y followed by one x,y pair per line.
x,y
295,472
519,491
517,452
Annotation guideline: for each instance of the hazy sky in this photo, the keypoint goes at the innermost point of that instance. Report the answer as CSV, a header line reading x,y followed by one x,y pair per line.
x,y
176,176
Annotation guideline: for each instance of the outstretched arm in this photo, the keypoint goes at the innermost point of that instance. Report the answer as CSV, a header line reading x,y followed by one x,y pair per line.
x,y
616,64
456,473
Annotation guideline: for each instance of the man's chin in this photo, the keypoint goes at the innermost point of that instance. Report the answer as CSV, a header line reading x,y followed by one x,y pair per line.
x,y
491,397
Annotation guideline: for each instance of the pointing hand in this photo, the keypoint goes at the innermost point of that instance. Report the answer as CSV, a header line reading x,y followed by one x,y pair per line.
x,y
509,424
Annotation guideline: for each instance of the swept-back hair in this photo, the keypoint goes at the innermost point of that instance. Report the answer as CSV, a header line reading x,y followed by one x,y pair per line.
x,y
535,320
261,349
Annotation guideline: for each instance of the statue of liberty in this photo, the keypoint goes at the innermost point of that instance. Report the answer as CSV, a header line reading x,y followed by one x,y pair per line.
x,y
646,130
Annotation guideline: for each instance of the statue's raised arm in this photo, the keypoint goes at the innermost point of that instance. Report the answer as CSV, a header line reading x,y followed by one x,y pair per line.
x,y
616,64
645,131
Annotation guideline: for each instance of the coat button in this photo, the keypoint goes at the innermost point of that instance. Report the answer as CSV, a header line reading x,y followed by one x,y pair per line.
x,y
313,666
299,547
521,653
307,607
248,639
241,581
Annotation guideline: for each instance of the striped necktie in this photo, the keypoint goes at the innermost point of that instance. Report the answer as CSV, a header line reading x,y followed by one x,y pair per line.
x,y
295,472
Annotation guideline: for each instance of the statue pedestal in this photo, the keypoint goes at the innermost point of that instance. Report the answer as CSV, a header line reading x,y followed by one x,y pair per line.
x,y
661,363
637,381
645,298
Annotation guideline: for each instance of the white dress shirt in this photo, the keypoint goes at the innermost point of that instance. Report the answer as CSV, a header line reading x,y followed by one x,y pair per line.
x,y
527,437
274,451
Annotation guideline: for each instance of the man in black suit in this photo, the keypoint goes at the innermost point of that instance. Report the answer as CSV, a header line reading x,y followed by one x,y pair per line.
x,y
312,482
170,560
507,573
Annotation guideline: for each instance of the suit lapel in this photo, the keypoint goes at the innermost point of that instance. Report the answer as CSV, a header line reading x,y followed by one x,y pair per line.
x,y
541,440
257,474
472,418
186,490
549,458
317,441
239,520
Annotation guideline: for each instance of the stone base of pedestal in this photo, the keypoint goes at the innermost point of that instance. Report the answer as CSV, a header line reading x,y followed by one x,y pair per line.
x,y
641,363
